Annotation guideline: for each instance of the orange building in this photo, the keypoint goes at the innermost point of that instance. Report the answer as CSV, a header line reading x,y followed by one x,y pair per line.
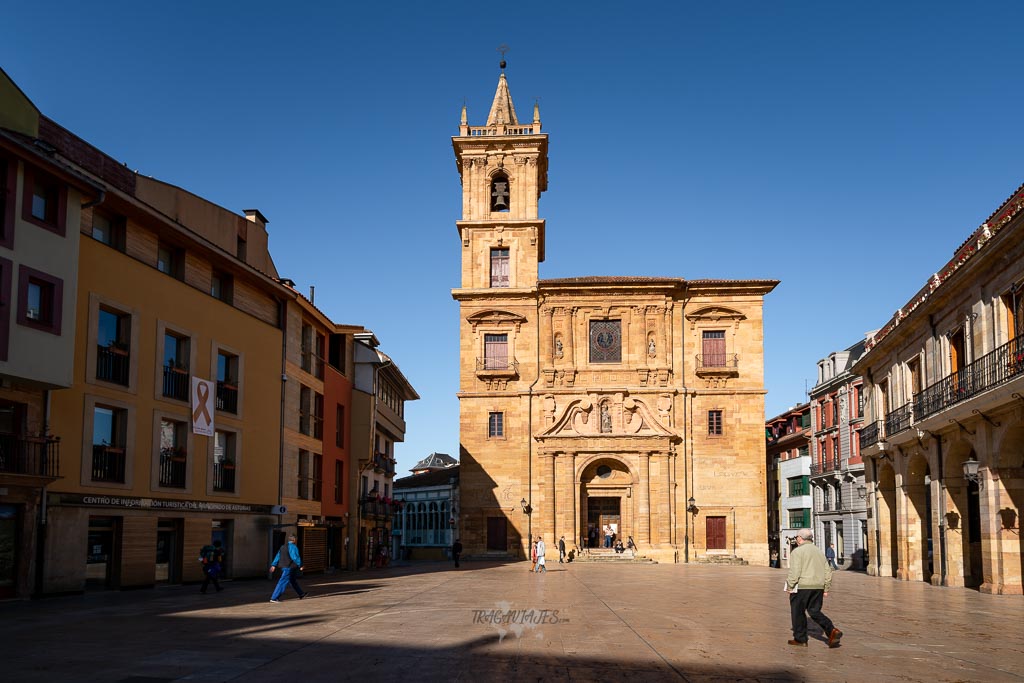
x,y
161,288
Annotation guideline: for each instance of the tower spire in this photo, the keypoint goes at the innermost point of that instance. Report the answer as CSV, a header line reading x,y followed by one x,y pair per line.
x,y
502,109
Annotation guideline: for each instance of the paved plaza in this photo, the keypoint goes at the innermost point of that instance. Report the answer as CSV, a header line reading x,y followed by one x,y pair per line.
x,y
490,622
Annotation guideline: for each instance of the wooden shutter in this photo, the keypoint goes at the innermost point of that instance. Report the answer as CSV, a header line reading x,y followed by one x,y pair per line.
x,y
495,351
713,343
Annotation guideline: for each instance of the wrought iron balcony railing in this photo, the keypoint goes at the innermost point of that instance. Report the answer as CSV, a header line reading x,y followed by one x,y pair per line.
x,y
112,364
224,477
176,382
898,420
173,466
499,365
108,464
35,456
870,434
992,369
718,362
227,397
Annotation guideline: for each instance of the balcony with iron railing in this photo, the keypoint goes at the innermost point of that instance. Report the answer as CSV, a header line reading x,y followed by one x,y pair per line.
x,y
1001,365
227,396
176,382
833,464
871,434
113,363
108,463
379,508
32,456
224,476
898,420
717,364
173,467
382,464
497,367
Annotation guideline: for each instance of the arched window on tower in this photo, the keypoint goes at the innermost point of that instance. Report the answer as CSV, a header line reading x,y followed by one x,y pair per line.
x,y
500,198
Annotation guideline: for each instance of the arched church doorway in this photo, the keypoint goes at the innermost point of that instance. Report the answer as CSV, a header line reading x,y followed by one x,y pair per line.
x,y
606,488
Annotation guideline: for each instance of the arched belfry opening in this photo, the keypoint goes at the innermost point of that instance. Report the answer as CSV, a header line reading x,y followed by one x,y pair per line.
x,y
500,193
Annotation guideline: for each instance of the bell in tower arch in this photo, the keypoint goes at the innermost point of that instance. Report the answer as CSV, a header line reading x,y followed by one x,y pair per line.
x,y
499,193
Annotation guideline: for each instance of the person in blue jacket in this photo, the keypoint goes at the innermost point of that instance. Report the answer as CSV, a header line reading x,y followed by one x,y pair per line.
x,y
290,562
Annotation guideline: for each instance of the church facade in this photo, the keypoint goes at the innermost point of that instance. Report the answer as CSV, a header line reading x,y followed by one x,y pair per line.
x,y
586,403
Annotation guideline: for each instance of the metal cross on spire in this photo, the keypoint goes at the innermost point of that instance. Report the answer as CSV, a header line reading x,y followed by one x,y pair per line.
x,y
503,48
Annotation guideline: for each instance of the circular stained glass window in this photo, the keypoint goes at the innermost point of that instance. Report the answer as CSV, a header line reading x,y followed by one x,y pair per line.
x,y
604,471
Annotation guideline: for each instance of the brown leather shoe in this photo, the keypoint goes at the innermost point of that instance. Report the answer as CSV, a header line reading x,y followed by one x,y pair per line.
x,y
798,643
833,638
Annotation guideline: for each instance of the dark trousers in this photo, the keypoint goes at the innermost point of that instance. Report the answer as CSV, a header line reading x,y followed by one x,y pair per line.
x,y
210,574
455,556
808,601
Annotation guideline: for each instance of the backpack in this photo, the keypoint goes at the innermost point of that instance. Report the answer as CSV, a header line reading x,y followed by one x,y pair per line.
x,y
207,554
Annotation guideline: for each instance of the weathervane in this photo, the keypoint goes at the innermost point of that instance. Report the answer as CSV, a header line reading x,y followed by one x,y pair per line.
x,y
503,48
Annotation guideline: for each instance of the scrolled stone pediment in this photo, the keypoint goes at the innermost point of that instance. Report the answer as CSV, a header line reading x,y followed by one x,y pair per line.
x,y
715,314
608,416
496,318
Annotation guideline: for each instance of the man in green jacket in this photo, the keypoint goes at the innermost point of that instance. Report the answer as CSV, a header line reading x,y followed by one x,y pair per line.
x,y
808,582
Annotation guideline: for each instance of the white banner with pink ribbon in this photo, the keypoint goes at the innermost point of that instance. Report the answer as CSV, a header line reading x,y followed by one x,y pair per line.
x,y
202,406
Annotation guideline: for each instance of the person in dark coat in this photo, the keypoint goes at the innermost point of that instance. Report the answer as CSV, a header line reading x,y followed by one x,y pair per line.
x,y
456,551
561,550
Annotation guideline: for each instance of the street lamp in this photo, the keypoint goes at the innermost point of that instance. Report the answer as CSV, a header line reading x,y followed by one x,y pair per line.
x,y
862,491
527,509
971,471
691,506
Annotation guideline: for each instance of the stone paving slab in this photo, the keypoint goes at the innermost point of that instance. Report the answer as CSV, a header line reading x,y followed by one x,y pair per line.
x,y
491,622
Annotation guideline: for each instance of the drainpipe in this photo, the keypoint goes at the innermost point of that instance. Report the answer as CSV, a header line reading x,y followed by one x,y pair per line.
x,y
101,196
40,573
283,321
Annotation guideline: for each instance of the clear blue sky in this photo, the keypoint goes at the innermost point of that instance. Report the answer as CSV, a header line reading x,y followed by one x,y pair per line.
x,y
845,149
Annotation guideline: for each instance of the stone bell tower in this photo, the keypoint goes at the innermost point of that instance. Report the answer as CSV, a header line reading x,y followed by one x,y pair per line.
x,y
504,168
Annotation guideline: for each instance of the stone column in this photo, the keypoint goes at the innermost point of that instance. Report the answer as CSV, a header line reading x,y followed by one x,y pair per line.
x,y
666,517
665,353
644,500
549,510
570,337
531,188
546,333
902,515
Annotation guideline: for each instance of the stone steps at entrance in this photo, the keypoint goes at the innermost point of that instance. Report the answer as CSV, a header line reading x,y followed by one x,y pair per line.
x,y
722,559
607,555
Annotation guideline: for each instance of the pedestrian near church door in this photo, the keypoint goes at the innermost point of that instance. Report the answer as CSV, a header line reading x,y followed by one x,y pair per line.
x,y
716,533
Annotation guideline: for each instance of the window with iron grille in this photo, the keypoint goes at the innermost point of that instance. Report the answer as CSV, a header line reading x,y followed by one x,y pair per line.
x,y
605,341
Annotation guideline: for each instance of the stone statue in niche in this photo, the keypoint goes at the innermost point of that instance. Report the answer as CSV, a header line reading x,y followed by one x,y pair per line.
x,y
606,419
652,348
558,347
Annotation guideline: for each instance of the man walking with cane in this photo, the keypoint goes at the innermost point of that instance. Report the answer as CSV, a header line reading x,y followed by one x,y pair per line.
x,y
808,583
